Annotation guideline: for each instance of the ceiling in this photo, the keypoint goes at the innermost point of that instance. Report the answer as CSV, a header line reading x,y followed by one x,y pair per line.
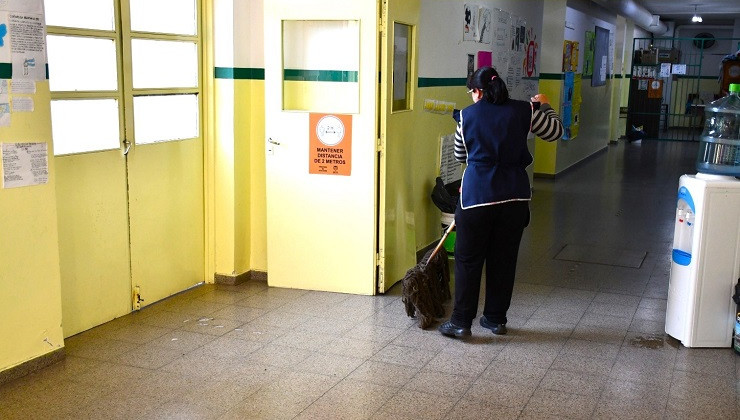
x,y
713,12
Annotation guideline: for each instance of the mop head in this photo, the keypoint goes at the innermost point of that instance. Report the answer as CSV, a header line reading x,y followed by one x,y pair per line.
x,y
425,287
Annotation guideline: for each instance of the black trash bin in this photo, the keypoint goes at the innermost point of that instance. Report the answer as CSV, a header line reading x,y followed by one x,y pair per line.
x,y
445,197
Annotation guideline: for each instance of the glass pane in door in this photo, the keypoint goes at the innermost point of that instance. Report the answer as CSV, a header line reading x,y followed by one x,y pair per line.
x,y
84,125
164,16
73,68
85,14
165,117
164,64
401,65
321,62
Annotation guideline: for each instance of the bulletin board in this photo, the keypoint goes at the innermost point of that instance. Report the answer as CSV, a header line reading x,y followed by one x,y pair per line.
x,y
515,49
601,54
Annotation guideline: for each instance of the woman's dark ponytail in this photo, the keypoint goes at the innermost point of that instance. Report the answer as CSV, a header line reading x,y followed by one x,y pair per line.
x,y
493,87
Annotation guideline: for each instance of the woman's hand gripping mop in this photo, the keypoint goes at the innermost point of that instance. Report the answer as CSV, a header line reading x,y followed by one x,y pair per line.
x,y
427,285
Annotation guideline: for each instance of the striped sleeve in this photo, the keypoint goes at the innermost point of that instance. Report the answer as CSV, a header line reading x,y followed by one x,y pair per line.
x,y
461,154
546,123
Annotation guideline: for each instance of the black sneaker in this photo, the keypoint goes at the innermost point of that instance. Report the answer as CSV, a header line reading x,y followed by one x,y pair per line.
x,y
498,329
451,330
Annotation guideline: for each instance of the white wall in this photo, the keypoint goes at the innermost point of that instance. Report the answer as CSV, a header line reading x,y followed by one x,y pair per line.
x,y
582,20
594,127
443,53
712,56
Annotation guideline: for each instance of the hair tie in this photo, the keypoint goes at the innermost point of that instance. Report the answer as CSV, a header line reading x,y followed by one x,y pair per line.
x,y
493,77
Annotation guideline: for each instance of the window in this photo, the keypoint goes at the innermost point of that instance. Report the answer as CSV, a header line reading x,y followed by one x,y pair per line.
x,y
401,66
321,62
110,83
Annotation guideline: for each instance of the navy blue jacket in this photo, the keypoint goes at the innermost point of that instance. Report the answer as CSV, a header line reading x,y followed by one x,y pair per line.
x,y
495,141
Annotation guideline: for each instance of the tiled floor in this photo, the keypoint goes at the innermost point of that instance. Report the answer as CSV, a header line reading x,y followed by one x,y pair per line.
x,y
585,339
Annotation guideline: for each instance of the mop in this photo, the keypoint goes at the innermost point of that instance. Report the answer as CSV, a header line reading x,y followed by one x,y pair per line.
x,y
427,285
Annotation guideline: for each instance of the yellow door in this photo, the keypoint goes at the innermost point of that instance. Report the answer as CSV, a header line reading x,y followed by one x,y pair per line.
x,y
397,129
129,155
321,63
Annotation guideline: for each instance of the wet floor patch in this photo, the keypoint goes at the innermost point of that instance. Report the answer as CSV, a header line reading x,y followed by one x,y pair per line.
x,y
653,342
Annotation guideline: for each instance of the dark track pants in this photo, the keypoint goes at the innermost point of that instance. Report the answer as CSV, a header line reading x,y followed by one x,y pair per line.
x,y
490,235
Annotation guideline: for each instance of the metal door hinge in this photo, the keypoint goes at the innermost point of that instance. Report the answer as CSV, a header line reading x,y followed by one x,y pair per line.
x,y
379,264
137,298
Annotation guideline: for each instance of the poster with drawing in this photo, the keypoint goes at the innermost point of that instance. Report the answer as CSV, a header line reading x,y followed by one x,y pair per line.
x,y
5,56
588,53
485,26
27,45
470,23
501,38
514,53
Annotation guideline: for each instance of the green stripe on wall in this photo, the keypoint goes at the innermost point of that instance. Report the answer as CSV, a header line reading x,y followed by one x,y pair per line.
x,y
451,81
680,76
240,73
441,81
551,76
6,71
559,76
320,75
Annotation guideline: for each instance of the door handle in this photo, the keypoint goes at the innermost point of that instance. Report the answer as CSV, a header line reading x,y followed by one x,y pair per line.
x,y
271,141
126,146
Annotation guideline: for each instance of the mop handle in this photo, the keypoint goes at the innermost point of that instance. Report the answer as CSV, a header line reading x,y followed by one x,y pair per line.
x,y
441,241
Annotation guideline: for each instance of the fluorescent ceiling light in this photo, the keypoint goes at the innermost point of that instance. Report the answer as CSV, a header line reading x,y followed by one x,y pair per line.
x,y
696,18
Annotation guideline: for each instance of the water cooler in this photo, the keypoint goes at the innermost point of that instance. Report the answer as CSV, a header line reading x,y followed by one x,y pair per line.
x,y
705,263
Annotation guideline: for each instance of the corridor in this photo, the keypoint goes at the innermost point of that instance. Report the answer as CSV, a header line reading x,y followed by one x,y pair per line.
x,y
585,334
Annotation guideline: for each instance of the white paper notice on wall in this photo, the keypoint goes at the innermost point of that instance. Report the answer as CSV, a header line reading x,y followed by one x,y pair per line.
x,y
24,164
23,86
665,70
450,170
4,111
678,69
602,70
28,45
22,104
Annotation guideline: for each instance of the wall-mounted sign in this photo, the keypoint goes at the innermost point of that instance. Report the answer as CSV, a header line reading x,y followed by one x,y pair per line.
x,y
655,89
330,144
678,69
24,164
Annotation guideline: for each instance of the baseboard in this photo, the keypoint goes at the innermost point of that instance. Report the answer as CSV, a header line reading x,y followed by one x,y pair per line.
x,y
573,166
32,366
234,279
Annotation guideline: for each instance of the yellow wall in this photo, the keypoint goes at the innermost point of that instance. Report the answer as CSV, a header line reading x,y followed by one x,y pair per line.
x,y
31,311
545,153
256,173
238,173
240,212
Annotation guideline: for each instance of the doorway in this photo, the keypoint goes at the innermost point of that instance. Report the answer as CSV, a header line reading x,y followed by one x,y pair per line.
x,y
673,79
333,60
129,154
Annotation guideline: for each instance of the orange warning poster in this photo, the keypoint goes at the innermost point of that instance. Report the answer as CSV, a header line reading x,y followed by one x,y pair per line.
x,y
330,144
655,89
